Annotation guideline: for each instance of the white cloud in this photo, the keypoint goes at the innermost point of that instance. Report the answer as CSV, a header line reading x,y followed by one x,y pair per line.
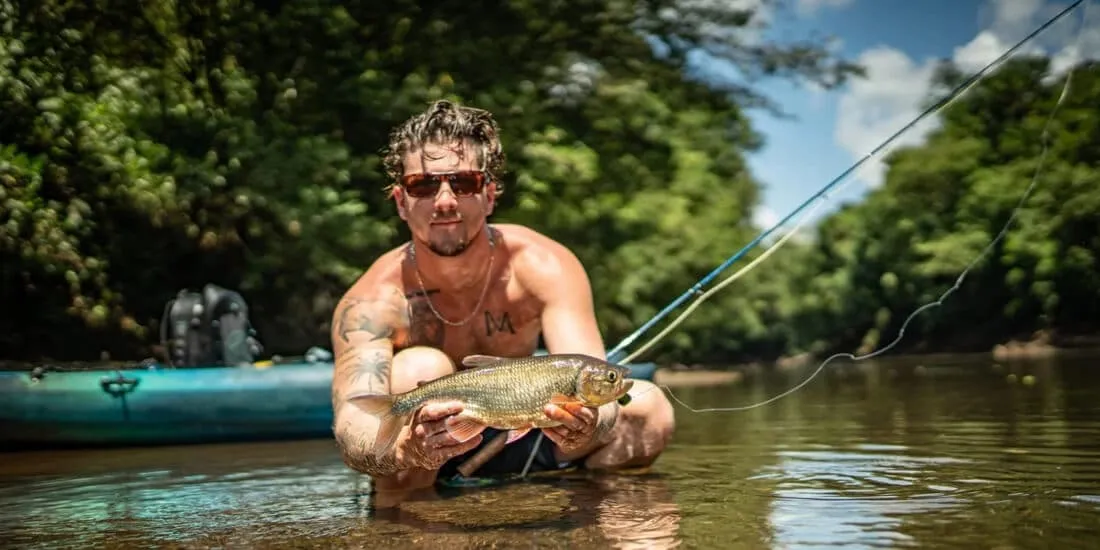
x,y
764,217
981,50
807,8
694,13
875,107
1015,12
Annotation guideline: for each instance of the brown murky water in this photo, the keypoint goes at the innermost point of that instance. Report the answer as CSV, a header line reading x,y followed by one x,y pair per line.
x,y
956,452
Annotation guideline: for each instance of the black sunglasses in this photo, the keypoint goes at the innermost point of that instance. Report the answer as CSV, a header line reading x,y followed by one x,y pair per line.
x,y
463,183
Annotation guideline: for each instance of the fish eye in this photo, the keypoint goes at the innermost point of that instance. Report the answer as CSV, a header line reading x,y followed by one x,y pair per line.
x,y
611,376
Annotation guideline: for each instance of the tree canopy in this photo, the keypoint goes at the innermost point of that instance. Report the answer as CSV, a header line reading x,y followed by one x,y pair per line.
x,y
147,149
942,204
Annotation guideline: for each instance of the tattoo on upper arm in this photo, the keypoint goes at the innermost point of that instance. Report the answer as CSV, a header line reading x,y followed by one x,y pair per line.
x,y
501,324
364,370
358,315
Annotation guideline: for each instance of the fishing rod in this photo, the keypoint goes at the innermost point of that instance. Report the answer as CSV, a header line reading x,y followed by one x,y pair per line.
x,y
617,353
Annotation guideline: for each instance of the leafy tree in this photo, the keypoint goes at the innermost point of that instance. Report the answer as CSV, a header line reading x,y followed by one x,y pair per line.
x,y
941,205
169,144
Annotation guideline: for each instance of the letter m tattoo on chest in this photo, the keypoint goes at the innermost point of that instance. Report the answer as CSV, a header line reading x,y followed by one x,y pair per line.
x,y
493,324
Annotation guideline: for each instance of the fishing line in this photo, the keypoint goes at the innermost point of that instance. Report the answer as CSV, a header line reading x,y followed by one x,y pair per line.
x,y
957,92
806,217
696,289
704,296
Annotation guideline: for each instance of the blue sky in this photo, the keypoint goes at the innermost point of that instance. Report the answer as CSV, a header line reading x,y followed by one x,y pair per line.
x,y
898,41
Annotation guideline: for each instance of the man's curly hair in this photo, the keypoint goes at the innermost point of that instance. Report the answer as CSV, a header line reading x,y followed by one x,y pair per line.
x,y
444,123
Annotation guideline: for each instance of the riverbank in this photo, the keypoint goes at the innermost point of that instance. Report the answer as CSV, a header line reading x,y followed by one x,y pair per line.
x,y
1045,344
1040,348
696,377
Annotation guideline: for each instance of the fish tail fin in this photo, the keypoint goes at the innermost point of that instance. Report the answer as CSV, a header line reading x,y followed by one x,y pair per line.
x,y
380,406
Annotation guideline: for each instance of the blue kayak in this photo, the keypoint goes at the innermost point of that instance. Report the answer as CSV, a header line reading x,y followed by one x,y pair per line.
x,y
158,404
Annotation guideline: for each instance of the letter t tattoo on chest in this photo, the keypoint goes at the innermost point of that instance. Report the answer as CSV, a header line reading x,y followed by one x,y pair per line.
x,y
425,329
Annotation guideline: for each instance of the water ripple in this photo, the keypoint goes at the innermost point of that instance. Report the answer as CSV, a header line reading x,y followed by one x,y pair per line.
x,y
952,462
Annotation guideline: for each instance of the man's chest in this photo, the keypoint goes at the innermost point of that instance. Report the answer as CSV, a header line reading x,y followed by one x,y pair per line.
x,y
505,324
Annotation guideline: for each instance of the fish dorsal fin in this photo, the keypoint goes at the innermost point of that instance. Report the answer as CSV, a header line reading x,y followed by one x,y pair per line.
x,y
480,361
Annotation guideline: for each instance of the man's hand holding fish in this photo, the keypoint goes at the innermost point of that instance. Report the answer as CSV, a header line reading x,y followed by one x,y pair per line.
x,y
429,444
578,424
434,343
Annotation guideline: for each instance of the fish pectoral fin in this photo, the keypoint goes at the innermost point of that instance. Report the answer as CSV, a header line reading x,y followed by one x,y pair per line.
x,y
479,361
561,399
515,435
374,404
464,429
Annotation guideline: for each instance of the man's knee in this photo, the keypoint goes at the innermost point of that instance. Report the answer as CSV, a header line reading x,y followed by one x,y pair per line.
x,y
418,364
653,413
642,431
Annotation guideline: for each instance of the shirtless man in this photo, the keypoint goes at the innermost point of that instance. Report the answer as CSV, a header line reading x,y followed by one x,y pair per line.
x,y
462,287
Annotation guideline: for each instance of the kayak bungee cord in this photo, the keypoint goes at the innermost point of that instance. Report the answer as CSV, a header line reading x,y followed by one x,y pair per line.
x,y
958,282
616,354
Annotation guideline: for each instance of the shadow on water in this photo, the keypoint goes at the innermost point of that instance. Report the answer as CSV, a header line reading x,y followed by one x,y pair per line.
x,y
945,452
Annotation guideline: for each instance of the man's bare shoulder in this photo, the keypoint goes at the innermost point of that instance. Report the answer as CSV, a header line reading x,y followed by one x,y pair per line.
x,y
376,299
541,263
381,277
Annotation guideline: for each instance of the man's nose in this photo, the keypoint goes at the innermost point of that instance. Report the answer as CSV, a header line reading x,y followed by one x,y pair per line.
x,y
445,199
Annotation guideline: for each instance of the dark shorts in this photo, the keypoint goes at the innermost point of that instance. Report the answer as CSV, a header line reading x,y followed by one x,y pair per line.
x,y
512,459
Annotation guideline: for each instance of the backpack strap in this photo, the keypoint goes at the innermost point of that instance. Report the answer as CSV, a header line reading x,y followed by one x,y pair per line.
x,y
181,330
226,317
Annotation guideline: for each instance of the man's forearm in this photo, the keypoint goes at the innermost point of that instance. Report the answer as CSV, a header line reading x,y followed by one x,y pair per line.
x,y
355,448
356,441
385,470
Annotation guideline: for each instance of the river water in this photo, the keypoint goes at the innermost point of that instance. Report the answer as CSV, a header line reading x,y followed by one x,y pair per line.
x,y
947,452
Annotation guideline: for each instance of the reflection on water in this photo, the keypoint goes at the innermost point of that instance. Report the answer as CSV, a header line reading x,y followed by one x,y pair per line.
x,y
957,453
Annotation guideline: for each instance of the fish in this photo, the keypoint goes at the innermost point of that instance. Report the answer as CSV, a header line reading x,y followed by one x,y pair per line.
x,y
502,393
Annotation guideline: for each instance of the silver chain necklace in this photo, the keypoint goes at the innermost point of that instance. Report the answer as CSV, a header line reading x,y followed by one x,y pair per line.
x,y
484,291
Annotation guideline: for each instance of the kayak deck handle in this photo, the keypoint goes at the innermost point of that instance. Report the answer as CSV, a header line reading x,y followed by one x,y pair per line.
x,y
118,385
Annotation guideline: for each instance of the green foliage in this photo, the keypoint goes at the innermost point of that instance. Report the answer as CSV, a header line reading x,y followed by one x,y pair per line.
x,y
940,207
151,148
146,149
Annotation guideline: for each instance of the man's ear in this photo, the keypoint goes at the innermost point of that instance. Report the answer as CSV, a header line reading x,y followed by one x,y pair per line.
x,y
401,200
490,197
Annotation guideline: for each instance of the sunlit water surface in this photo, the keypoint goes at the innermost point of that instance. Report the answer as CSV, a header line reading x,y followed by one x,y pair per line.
x,y
956,452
